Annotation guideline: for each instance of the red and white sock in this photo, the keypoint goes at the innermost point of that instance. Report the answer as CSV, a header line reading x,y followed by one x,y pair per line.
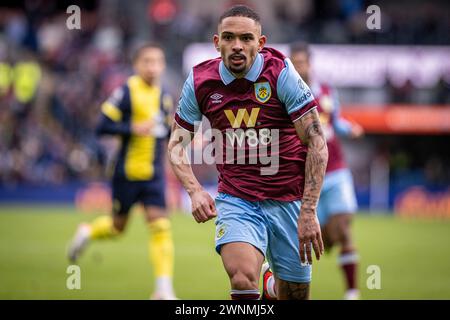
x,y
348,260
244,294
270,287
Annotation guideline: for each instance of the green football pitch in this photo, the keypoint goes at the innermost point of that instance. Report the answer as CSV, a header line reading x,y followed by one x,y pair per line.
x,y
413,257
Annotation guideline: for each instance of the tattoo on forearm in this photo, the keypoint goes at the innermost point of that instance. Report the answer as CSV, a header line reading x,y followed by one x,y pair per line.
x,y
316,159
313,129
292,291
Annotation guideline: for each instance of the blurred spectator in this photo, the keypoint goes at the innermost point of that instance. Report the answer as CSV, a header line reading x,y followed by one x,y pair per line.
x,y
400,94
441,92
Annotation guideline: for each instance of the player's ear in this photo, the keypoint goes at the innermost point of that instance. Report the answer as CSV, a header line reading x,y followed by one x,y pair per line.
x,y
262,42
216,42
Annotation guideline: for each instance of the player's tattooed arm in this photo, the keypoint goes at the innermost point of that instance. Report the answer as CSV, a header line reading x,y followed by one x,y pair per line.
x,y
203,208
311,134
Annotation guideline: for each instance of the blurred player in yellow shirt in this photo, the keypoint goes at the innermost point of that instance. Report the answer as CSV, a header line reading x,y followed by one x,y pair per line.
x,y
139,113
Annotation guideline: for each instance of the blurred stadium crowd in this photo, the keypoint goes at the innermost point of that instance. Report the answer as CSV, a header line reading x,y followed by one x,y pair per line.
x,y
52,79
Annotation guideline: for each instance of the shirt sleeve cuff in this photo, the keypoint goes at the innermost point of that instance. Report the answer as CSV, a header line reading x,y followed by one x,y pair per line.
x,y
296,115
184,124
343,127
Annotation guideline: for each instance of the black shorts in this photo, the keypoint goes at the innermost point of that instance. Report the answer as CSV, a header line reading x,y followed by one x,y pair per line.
x,y
126,193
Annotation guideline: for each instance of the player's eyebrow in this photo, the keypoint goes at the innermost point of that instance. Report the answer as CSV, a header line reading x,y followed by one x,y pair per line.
x,y
250,35
229,33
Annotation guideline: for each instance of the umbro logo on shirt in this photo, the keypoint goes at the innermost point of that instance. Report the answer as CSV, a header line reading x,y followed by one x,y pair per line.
x,y
216,98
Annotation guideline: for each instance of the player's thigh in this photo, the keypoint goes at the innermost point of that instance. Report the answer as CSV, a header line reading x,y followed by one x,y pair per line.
x,y
283,249
153,198
323,216
339,227
323,207
341,195
337,196
124,196
239,220
341,208
241,234
326,238
242,262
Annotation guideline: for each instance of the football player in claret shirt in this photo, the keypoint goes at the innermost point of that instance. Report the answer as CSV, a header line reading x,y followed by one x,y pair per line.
x,y
139,113
337,202
254,97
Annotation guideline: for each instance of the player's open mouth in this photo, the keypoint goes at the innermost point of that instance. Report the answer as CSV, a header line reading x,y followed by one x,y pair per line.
x,y
237,59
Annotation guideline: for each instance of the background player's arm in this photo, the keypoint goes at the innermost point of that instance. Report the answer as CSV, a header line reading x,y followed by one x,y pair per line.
x,y
343,127
112,120
203,208
310,132
348,129
108,126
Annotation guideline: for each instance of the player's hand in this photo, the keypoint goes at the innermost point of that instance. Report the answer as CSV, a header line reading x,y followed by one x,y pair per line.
x,y
203,206
142,128
357,131
309,235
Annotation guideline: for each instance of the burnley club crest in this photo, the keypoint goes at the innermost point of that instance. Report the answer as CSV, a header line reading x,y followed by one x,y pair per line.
x,y
262,91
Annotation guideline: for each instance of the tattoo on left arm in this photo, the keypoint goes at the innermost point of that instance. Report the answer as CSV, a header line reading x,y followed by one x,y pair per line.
x,y
310,132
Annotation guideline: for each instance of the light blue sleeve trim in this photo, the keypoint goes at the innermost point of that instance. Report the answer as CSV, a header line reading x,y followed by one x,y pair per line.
x,y
291,89
188,108
342,127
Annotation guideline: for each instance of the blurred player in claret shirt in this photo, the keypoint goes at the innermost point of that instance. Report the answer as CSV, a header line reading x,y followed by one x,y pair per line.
x,y
337,202
139,112
254,98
